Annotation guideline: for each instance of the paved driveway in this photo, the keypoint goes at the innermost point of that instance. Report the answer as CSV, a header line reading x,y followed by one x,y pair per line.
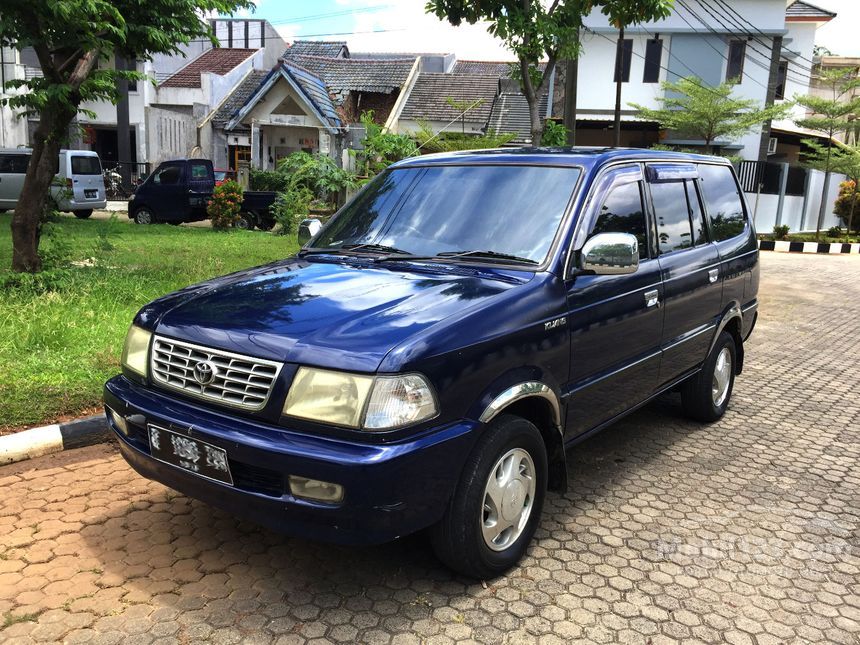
x,y
747,531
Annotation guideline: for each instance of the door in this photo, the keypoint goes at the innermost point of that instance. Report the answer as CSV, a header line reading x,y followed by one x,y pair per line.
x,y
168,197
13,170
201,183
615,321
87,180
689,268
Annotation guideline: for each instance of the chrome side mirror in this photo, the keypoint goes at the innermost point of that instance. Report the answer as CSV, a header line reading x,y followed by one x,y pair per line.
x,y
307,229
610,254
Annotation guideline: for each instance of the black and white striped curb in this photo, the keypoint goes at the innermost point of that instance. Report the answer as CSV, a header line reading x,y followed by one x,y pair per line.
x,y
53,438
808,247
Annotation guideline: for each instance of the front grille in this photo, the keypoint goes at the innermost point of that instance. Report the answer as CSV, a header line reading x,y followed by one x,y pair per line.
x,y
236,380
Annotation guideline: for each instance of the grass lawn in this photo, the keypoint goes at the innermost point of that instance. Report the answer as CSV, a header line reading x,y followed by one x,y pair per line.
x,y
61,337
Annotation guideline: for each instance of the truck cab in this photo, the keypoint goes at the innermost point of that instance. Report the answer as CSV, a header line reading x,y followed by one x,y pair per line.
x,y
177,191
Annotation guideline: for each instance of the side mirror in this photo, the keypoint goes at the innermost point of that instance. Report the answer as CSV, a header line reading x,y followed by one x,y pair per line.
x,y
610,254
307,229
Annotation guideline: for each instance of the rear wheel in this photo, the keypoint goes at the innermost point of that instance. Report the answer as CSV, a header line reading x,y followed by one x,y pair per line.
x,y
83,214
144,215
706,395
245,222
495,509
266,224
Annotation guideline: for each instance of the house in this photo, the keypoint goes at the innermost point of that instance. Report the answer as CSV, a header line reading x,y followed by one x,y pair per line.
x,y
449,102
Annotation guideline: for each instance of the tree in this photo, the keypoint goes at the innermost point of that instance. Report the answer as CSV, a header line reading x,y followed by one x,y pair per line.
x,y
830,115
529,29
70,38
844,160
707,113
622,13
463,107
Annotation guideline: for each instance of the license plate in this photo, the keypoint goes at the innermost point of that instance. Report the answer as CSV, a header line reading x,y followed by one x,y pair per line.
x,y
91,194
189,454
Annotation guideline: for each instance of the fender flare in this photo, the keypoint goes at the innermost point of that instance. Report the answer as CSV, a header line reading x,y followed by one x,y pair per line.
x,y
733,312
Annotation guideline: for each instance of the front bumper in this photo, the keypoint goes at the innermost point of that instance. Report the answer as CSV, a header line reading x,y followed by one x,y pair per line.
x,y
390,489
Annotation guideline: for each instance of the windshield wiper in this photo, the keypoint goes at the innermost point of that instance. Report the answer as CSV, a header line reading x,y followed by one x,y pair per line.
x,y
485,255
342,250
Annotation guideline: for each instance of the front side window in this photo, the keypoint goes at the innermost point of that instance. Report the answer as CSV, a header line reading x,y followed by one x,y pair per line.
x,y
85,165
696,214
622,212
428,210
167,175
674,231
723,201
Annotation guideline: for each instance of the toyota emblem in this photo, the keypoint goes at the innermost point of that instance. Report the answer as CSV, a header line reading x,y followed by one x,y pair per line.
x,y
204,372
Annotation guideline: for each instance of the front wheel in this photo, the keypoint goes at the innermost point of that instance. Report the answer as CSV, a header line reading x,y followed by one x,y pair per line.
x,y
144,216
706,395
83,214
497,504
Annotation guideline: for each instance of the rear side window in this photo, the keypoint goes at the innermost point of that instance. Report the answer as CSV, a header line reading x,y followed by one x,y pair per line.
x,y
622,212
167,175
674,231
14,164
723,201
85,165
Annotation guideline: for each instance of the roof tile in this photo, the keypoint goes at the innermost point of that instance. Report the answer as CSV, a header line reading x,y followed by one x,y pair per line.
x,y
216,61
429,96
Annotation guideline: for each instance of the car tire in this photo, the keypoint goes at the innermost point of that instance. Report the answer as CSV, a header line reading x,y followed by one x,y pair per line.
x,y
144,215
245,222
511,458
706,395
83,214
266,224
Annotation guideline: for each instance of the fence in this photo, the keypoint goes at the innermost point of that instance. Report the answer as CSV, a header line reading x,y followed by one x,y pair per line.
x,y
789,195
122,176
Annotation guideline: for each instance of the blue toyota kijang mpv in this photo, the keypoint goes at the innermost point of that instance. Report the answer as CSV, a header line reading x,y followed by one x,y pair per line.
x,y
425,360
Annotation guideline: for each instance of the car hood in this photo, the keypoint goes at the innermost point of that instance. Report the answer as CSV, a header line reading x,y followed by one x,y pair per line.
x,y
341,313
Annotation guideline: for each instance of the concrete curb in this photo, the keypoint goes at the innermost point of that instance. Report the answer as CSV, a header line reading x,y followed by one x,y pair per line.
x,y
808,247
53,438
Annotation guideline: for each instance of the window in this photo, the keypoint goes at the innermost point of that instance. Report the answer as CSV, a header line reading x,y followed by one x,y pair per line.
x,y
622,212
674,231
735,66
696,214
626,56
14,164
85,165
723,201
199,171
167,175
653,56
781,73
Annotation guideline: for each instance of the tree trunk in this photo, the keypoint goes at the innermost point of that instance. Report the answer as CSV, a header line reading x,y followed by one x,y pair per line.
x,y
27,219
571,74
851,208
619,68
822,209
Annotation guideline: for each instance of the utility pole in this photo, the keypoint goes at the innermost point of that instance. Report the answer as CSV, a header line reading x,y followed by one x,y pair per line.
x,y
123,127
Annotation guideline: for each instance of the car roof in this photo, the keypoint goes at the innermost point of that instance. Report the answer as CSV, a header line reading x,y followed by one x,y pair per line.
x,y
578,156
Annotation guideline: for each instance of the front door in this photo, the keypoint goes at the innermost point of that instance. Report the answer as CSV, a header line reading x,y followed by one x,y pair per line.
x,y
615,321
689,265
169,194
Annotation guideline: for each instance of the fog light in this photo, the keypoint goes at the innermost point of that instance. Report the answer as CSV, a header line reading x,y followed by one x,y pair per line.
x,y
315,490
118,421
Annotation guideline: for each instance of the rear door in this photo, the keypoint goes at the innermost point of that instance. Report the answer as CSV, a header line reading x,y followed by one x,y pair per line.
x,y
615,321
689,268
13,170
86,174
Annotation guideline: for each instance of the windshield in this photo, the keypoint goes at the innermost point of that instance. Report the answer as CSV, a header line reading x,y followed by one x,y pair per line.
x,y
85,165
510,210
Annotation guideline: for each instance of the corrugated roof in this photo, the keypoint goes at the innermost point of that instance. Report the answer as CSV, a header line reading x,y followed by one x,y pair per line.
x,y
217,61
487,67
328,49
344,75
802,11
238,97
511,114
428,99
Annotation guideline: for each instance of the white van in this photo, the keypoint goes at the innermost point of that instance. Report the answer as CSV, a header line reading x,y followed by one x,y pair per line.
x,y
78,188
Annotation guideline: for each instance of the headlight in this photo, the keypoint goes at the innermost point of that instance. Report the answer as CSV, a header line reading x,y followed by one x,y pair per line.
x,y
358,401
135,352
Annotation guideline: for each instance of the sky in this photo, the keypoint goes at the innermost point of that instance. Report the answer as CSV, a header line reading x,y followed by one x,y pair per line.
x,y
403,26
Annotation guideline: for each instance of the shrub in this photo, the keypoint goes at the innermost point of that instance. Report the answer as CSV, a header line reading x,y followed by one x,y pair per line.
x,y
554,135
223,209
848,193
381,149
834,231
452,141
269,180
780,232
316,173
290,207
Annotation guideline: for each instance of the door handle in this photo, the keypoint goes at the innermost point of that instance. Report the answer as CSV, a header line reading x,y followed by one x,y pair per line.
x,y
713,274
652,298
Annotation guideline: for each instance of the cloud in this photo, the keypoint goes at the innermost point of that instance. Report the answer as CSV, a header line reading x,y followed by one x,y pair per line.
x,y
409,29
